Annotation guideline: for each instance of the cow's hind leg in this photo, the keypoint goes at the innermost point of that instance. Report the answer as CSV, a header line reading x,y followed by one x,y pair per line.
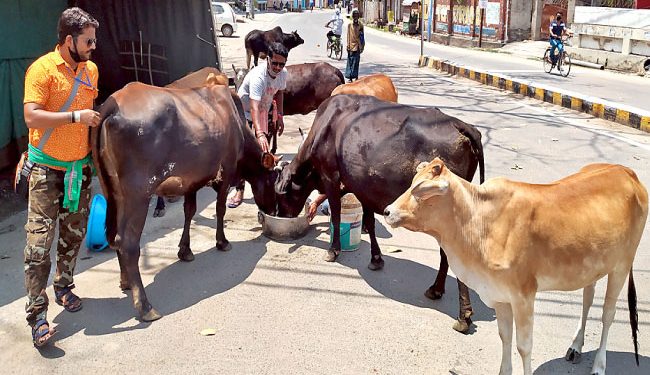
x,y
574,354
436,290
131,231
376,261
159,211
615,281
464,320
189,208
222,194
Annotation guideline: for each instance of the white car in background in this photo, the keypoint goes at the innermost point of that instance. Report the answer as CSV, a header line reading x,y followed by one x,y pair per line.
x,y
224,18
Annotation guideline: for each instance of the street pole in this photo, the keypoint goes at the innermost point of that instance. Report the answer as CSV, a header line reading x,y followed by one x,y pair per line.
x,y
421,31
480,31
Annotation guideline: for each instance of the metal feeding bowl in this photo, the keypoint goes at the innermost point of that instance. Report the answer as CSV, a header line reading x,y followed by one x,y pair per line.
x,y
283,228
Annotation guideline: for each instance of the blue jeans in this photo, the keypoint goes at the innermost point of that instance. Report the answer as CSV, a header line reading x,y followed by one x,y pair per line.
x,y
556,43
352,69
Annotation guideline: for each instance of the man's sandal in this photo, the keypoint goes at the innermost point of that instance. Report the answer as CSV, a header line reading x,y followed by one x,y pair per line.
x,y
67,299
233,202
41,333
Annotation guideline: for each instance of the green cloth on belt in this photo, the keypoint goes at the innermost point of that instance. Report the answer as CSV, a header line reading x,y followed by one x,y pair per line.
x,y
73,175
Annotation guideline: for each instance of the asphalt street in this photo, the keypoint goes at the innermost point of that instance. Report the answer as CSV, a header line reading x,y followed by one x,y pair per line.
x,y
278,308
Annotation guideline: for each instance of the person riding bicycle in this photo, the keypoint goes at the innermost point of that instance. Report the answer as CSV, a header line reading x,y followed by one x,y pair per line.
x,y
557,29
337,26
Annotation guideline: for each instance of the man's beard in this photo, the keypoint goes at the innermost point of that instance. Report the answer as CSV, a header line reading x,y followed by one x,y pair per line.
x,y
75,55
272,73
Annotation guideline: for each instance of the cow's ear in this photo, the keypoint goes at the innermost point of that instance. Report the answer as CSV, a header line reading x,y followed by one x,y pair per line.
x,y
268,161
426,189
421,166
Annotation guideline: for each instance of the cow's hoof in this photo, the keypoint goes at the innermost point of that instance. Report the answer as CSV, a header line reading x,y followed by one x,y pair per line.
x,y
185,254
332,255
125,286
224,246
159,212
433,294
573,355
462,325
151,315
375,265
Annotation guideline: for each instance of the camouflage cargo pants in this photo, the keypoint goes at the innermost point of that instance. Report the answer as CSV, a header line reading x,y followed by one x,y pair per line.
x,y
44,210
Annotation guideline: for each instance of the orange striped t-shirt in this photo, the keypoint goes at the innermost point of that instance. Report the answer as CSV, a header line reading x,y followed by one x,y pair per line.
x,y
49,82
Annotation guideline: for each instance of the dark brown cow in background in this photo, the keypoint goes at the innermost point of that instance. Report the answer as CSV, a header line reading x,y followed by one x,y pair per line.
x,y
257,42
178,140
372,148
308,85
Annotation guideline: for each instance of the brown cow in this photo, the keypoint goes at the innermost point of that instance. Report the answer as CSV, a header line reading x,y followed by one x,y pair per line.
x,y
202,77
308,85
378,85
178,140
508,240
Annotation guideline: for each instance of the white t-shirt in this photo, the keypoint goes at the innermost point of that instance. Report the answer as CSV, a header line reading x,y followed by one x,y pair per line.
x,y
258,85
337,24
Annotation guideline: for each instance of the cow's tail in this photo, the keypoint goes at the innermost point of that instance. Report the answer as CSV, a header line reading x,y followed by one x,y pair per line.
x,y
97,137
634,316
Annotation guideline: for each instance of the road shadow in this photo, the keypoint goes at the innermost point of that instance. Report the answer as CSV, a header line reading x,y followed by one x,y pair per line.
x,y
617,363
405,281
175,288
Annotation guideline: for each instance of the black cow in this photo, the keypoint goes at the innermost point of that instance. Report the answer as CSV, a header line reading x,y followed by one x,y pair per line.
x,y
371,148
258,41
177,141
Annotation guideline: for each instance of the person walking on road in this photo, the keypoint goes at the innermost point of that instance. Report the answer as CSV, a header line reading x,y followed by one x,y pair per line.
x,y
356,44
60,88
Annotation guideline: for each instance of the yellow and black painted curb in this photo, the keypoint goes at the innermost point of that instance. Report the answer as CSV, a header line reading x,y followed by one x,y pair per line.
x,y
632,117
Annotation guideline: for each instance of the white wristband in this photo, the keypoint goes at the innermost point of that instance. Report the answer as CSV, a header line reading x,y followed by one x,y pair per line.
x,y
77,116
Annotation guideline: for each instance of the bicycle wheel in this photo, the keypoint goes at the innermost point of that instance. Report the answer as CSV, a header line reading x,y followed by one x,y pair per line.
x,y
339,51
565,66
328,48
547,61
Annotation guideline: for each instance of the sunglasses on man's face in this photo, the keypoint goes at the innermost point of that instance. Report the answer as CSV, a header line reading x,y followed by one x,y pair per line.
x,y
89,41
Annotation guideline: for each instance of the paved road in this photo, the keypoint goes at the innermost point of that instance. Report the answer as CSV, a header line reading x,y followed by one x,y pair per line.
x,y
279,309
612,86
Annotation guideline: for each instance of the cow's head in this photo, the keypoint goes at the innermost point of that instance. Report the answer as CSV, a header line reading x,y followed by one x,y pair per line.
x,y
292,190
263,185
240,74
419,207
294,40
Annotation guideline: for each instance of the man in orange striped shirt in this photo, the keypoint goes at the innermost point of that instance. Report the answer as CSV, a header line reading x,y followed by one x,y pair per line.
x,y
60,88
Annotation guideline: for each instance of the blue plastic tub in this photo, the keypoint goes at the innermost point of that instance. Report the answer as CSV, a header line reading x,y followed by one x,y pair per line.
x,y
96,231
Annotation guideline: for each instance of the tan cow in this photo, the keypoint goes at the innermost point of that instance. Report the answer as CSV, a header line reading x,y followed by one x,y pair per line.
x,y
378,85
199,78
508,240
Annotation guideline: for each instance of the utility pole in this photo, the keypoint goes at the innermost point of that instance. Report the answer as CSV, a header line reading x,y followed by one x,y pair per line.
x,y
421,30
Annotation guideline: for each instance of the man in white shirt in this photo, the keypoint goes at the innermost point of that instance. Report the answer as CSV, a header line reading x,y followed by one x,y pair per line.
x,y
337,26
262,85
